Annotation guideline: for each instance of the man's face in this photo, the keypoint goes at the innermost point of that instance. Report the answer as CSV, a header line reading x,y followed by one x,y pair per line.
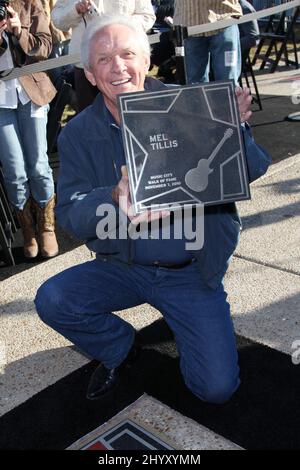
x,y
117,63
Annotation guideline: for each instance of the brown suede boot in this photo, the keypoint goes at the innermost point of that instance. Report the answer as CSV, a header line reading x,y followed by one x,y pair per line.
x,y
45,228
27,223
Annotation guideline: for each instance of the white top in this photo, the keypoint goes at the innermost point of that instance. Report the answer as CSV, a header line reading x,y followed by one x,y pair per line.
x,y
10,90
64,16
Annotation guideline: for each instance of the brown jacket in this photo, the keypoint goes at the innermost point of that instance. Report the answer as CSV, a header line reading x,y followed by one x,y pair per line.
x,y
57,35
33,45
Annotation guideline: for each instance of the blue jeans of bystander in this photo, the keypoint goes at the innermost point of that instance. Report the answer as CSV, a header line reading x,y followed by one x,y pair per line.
x,y
23,154
221,52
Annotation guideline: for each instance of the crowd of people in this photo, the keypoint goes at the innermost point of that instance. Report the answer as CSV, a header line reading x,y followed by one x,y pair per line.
x,y
187,287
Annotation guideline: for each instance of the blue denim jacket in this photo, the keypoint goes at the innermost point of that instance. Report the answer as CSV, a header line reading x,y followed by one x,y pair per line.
x,y
88,173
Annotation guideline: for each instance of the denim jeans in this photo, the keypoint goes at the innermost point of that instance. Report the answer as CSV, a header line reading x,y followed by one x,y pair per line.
x,y
222,50
23,155
78,303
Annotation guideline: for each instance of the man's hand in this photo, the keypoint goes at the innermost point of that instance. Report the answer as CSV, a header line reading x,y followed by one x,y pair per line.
x,y
121,196
244,103
13,22
83,6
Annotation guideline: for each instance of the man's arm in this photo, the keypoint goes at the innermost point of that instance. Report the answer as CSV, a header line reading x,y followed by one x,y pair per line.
x,y
144,14
65,15
258,159
34,38
249,32
77,199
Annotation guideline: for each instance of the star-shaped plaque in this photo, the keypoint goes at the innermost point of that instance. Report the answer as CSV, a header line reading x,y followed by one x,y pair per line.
x,y
183,145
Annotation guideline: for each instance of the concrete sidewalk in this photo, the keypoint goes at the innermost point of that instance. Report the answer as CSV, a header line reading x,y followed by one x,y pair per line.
x,y
263,284
263,280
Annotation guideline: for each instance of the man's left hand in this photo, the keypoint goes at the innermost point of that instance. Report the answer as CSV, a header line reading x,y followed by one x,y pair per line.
x,y
244,99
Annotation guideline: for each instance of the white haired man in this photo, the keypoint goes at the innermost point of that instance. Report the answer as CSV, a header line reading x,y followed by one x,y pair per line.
x,y
186,287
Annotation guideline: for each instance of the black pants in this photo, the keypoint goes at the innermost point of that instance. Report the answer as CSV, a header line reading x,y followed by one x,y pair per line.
x,y
85,91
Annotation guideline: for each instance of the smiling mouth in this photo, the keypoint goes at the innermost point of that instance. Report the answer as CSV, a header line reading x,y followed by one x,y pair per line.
x,y
121,82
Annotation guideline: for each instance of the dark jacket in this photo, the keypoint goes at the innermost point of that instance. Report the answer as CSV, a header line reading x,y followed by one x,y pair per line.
x,y
87,176
249,32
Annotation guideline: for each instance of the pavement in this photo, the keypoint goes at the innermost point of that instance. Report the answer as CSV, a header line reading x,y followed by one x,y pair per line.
x,y
263,280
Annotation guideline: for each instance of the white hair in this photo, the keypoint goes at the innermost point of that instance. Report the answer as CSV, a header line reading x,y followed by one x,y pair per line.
x,y
101,22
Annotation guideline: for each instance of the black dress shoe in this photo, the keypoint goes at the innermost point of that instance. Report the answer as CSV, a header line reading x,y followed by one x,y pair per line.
x,y
103,381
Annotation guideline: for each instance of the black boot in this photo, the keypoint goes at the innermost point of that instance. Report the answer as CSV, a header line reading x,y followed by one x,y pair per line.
x,y
103,381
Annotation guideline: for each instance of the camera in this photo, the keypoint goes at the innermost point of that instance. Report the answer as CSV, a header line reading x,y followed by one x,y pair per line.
x,y
3,10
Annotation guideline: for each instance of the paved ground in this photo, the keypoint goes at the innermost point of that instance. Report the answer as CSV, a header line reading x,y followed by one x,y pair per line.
x,y
270,127
263,279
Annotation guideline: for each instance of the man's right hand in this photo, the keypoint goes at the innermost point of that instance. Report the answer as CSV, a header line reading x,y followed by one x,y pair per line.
x,y
83,6
121,196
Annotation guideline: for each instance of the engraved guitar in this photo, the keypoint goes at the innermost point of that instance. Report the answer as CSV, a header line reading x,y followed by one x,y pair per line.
x,y
197,178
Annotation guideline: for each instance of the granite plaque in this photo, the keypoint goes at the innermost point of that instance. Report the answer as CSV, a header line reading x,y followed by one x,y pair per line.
x,y
184,145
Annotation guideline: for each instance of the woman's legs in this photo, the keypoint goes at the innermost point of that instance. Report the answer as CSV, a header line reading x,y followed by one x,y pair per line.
x,y
23,150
